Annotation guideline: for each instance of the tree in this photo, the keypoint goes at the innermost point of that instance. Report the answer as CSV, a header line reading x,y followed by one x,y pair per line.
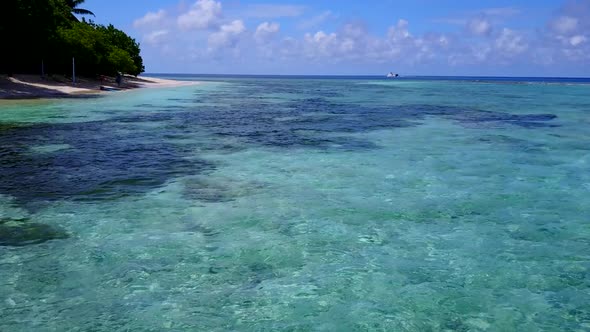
x,y
36,31
120,61
121,40
28,32
99,49
86,44
73,4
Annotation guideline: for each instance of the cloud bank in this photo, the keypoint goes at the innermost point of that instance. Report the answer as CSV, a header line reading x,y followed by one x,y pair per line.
x,y
203,33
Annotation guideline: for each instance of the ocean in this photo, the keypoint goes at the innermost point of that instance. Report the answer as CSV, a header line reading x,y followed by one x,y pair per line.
x,y
254,203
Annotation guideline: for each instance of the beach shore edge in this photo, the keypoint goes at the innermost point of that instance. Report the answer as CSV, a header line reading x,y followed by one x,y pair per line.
x,y
25,87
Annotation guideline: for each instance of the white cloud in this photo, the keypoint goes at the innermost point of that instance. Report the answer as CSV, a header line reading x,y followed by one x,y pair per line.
x,y
150,19
354,30
481,53
443,41
204,14
320,44
484,37
501,48
577,40
510,43
227,36
399,32
479,26
265,31
566,37
564,24
354,43
156,37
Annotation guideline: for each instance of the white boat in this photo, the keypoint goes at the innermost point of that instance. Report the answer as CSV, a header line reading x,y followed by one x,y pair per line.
x,y
392,75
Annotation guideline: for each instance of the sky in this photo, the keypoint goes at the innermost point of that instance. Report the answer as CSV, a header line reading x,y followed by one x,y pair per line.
x,y
370,37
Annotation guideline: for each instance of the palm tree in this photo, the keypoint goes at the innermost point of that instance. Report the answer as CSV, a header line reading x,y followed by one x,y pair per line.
x,y
73,4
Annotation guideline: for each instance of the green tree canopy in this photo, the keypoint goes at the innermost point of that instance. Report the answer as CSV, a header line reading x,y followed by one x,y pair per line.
x,y
46,30
122,41
73,4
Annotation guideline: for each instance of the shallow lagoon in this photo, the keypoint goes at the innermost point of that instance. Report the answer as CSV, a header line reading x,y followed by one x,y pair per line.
x,y
298,204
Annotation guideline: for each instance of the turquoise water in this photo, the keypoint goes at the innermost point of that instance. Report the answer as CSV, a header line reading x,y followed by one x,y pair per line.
x,y
253,204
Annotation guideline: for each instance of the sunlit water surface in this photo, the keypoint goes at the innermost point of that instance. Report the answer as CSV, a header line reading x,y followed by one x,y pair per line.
x,y
298,204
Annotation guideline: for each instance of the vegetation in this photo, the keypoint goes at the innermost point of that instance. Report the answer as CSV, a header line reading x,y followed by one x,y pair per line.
x,y
36,33
73,4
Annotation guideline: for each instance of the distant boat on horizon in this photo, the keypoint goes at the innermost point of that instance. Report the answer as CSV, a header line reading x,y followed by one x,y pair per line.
x,y
392,75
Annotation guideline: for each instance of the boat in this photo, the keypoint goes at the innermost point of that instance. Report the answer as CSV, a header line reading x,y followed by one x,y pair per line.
x,y
392,75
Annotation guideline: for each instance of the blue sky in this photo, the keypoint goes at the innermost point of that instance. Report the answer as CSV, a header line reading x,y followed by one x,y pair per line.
x,y
419,37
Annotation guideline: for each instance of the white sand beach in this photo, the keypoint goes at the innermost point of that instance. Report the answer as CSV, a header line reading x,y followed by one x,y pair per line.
x,y
153,82
36,87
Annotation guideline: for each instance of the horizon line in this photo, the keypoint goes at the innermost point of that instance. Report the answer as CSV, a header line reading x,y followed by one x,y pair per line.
x,y
365,75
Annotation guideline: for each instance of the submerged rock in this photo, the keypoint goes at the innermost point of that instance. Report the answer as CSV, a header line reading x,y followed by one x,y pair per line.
x,y
217,190
22,232
205,190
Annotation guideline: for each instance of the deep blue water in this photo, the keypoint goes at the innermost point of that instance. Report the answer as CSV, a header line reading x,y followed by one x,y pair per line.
x,y
483,79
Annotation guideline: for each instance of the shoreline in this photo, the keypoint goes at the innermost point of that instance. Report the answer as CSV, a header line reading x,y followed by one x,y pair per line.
x,y
29,87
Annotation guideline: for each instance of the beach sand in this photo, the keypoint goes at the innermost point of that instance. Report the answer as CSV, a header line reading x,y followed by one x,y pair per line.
x,y
153,82
36,87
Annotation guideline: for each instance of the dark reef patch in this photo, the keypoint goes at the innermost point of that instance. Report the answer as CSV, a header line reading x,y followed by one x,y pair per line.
x,y
22,232
205,190
215,190
324,121
101,163
512,142
139,151
244,114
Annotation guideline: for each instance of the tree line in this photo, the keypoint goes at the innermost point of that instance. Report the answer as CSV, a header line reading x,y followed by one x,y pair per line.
x,y
44,35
